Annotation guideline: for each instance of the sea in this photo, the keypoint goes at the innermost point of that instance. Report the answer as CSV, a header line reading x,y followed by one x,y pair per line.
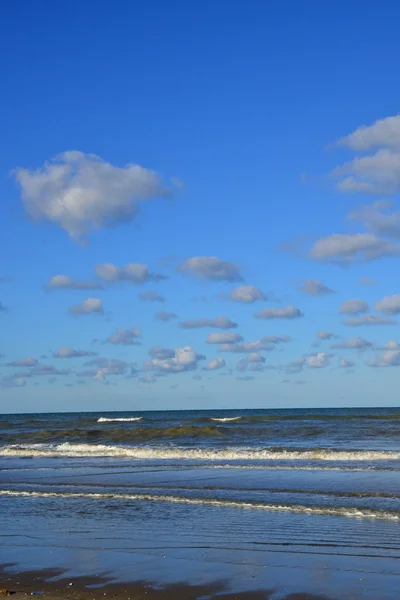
x,y
300,500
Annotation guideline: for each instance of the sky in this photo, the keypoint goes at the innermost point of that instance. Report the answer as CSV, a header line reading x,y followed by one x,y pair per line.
x,y
199,205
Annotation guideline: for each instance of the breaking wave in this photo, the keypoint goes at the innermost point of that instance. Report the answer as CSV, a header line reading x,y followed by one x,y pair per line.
x,y
292,508
198,454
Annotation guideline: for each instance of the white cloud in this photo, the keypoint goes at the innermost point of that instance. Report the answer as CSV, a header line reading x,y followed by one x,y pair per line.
x,y
324,335
350,248
346,363
67,352
246,347
368,320
287,312
314,287
379,218
105,367
357,343
210,268
65,282
133,273
276,339
45,370
184,359
223,338
318,361
219,323
10,381
217,363
23,362
354,306
254,361
151,296
391,345
391,358
247,294
125,337
295,366
87,307
377,173
81,192
389,305
164,315
384,132
161,353
255,357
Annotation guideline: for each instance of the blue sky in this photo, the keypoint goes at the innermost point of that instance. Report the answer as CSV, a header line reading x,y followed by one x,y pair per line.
x,y
193,150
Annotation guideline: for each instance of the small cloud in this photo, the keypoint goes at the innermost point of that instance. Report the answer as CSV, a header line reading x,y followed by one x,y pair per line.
x,y
217,363
67,352
151,297
219,323
369,320
391,358
161,353
125,337
247,347
9,381
184,359
324,335
136,273
223,338
45,370
287,312
354,306
65,282
2,307
352,248
247,294
346,363
357,343
389,305
314,287
165,316
87,307
210,268
23,362
319,360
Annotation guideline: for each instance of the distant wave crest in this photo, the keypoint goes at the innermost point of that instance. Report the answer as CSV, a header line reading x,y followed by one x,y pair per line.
x,y
225,419
120,419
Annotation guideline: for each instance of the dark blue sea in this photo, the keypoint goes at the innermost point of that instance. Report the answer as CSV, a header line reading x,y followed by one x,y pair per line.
x,y
294,500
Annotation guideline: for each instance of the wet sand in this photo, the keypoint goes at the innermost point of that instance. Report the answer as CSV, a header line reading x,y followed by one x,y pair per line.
x,y
51,584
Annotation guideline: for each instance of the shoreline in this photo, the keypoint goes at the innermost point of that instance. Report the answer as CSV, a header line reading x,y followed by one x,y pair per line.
x,y
54,584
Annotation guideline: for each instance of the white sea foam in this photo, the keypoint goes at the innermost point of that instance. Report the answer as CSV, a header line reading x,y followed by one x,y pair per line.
x,y
121,419
225,419
292,508
199,454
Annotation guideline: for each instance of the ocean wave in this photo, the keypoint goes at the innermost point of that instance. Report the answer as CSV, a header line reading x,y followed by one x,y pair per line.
x,y
292,508
120,419
198,454
225,419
